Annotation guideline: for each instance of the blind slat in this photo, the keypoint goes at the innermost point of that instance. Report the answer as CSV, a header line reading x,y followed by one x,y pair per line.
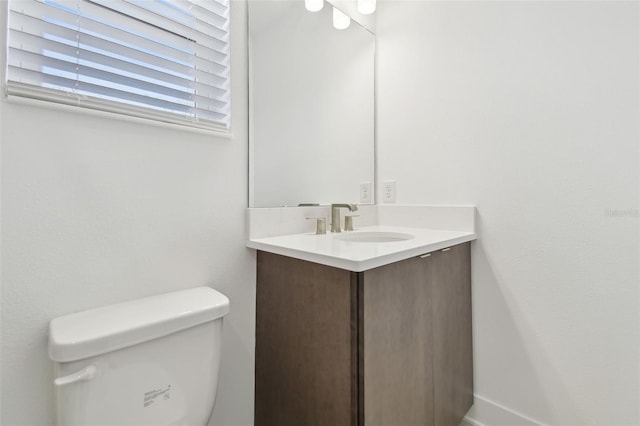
x,y
205,120
165,60
80,73
53,49
51,34
101,26
193,30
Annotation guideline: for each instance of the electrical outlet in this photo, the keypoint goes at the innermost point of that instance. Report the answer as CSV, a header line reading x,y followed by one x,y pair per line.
x,y
389,191
365,192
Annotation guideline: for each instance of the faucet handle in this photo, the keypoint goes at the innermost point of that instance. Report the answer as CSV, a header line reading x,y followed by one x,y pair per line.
x,y
321,224
348,221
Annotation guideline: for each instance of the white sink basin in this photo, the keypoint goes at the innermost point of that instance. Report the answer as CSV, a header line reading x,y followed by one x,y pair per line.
x,y
374,237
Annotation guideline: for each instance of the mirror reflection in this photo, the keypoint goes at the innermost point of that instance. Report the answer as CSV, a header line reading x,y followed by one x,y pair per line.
x,y
311,102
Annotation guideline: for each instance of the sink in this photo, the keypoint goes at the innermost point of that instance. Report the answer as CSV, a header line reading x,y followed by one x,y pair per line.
x,y
374,237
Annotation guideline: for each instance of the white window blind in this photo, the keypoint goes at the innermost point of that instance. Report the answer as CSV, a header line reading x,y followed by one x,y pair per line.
x,y
166,60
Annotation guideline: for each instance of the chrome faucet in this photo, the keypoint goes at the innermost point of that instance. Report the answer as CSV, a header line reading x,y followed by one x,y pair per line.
x,y
335,214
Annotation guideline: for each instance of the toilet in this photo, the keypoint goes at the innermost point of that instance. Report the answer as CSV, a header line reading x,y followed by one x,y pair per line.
x,y
151,361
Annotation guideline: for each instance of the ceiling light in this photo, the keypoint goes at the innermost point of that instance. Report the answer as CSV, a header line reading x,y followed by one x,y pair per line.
x,y
340,20
313,5
366,7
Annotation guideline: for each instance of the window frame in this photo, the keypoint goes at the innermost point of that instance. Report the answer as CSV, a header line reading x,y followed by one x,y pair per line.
x,y
33,94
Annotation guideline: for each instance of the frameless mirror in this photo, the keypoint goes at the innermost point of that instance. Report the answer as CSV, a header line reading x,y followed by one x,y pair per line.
x,y
311,110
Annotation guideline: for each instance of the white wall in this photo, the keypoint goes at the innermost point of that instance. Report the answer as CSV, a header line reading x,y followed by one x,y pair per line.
x,y
98,210
529,110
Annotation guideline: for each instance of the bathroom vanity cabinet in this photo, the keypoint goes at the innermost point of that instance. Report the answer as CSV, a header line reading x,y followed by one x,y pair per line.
x,y
390,346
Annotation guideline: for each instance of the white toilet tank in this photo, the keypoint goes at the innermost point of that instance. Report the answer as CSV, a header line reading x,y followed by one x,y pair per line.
x,y
152,361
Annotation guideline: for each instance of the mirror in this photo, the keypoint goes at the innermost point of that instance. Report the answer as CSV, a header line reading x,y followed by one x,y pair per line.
x,y
311,106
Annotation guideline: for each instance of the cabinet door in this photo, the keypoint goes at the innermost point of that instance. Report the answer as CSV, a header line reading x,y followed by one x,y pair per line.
x,y
306,344
396,345
450,276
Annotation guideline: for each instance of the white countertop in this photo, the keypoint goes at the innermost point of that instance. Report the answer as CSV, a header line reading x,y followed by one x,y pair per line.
x,y
329,250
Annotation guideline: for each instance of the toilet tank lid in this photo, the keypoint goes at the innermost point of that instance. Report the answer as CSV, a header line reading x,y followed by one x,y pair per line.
x,y
109,328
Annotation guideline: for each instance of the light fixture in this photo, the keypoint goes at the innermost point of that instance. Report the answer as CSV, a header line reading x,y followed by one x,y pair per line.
x,y
313,5
366,7
340,20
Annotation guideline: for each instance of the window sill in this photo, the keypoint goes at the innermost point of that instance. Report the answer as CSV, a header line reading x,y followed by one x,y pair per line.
x,y
19,100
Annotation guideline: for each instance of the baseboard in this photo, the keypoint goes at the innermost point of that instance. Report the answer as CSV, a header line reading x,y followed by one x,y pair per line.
x,y
485,412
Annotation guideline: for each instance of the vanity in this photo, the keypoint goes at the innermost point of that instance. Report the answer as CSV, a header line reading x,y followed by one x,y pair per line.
x,y
364,328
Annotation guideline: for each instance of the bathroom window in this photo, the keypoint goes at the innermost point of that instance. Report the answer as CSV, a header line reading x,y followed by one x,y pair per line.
x,y
165,60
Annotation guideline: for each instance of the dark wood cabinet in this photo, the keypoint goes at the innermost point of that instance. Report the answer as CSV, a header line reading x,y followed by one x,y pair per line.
x,y
450,276
390,346
306,365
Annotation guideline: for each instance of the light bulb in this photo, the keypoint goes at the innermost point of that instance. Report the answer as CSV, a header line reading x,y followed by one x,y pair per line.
x,y
366,7
313,5
340,20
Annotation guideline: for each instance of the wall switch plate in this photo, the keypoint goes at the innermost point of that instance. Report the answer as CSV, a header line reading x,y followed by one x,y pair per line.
x,y
389,191
365,193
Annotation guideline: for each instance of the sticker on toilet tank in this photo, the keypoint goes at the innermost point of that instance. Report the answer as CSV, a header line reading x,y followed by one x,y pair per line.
x,y
153,396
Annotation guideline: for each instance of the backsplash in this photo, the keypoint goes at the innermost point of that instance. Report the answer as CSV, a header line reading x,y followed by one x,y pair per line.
x,y
271,222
